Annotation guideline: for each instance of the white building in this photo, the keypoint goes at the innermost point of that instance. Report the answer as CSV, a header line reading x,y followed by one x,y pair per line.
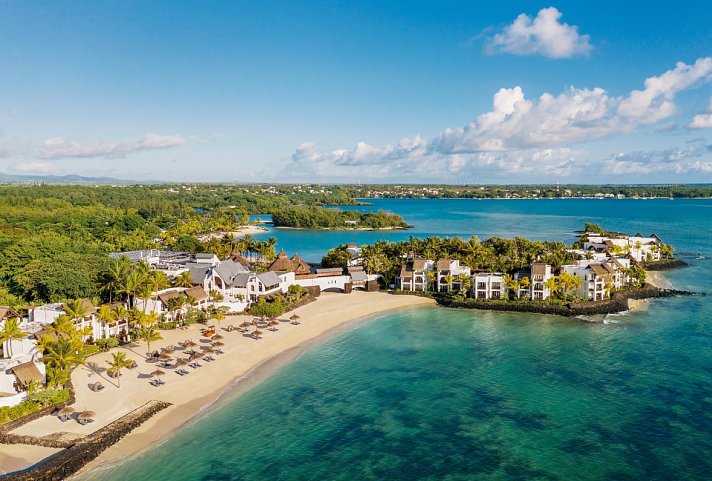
x,y
449,267
540,273
20,363
414,275
489,286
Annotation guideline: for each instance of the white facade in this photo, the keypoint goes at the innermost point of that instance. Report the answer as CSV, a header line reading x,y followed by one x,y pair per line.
x,y
452,268
489,286
540,274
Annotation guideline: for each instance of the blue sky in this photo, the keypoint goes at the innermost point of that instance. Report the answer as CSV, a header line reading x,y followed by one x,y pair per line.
x,y
370,91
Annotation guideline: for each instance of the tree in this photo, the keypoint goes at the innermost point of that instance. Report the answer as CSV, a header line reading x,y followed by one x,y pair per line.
x,y
118,362
106,315
11,331
552,284
219,316
75,309
63,355
149,334
184,279
448,280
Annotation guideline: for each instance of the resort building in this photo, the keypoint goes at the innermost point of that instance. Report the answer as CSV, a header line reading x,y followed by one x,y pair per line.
x,y
639,248
20,363
168,302
489,286
540,274
450,274
415,275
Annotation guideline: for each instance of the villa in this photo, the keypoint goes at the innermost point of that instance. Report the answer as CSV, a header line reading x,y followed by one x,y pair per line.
x,y
540,274
489,286
414,275
20,363
450,274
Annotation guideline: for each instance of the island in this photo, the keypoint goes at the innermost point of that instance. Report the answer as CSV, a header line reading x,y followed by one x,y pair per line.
x,y
296,217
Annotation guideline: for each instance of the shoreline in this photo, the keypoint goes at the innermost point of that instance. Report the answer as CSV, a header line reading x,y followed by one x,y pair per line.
x,y
248,362
346,229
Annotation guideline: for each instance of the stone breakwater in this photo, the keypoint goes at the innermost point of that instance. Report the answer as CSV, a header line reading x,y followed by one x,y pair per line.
x,y
65,463
664,265
617,303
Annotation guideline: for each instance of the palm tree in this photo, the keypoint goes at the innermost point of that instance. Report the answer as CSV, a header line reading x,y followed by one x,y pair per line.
x,y
114,278
133,283
106,315
75,309
524,283
149,334
184,279
117,363
11,331
552,284
448,280
431,278
219,316
63,355
157,281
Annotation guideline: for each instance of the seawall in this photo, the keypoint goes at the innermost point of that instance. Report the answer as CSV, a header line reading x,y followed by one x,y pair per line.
x,y
65,463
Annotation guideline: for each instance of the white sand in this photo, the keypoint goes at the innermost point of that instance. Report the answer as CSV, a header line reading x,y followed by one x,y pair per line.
x,y
15,457
192,393
238,234
654,278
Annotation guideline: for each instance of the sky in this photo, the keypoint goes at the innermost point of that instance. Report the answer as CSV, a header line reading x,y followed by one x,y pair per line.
x,y
369,91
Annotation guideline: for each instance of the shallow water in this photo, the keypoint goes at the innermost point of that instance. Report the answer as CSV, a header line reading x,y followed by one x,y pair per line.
x,y
437,394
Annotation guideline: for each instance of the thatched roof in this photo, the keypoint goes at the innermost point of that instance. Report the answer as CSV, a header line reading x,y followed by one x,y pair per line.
x,y
300,265
7,312
197,292
27,372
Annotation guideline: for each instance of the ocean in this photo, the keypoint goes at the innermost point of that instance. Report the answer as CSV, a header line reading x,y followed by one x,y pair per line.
x,y
437,394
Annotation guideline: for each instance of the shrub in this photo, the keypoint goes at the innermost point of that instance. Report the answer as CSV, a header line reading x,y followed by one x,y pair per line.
x,y
36,401
108,343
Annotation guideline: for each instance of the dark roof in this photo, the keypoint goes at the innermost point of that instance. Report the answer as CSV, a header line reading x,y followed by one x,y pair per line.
x,y
329,270
228,269
240,259
204,255
598,269
419,264
300,265
197,272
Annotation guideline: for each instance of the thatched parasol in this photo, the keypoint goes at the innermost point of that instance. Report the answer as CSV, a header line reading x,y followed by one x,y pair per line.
x,y
189,344
157,373
218,344
66,411
257,333
273,322
246,324
181,362
195,357
295,317
209,350
168,349
86,415
165,357
218,336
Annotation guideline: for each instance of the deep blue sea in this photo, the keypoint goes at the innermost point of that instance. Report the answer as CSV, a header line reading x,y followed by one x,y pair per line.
x,y
436,394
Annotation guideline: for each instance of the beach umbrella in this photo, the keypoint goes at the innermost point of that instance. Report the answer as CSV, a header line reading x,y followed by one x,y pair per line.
x,y
218,344
246,324
295,317
168,349
273,322
157,373
195,357
181,362
257,333
165,357
86,415
218,336
66,411
209,350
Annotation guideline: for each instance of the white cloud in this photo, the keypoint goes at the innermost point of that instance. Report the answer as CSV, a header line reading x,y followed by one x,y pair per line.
x,y
544,35
704,120
655,101
518,135
56,148
35,167
693,158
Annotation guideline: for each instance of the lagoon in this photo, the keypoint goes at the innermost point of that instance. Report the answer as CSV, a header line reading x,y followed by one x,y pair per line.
x,y
432,394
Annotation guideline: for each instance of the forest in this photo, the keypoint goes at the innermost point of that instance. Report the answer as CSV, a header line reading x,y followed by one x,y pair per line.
x,y
321,218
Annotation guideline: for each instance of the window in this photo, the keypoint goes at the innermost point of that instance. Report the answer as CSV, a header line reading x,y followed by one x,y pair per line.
x,y
482,285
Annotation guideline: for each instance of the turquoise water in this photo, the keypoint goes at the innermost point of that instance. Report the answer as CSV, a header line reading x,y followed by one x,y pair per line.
x,y
435,394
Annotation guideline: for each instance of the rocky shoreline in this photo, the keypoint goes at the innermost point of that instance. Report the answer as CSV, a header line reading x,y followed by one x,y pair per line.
x,y
664,265
76,455
617,303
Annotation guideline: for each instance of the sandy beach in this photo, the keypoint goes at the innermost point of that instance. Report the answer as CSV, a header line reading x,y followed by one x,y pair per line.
x,y
238,234
194,393
654,278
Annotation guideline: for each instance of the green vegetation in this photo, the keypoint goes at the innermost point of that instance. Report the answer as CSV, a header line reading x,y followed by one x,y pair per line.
x,y
36,401
280,303
320,218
